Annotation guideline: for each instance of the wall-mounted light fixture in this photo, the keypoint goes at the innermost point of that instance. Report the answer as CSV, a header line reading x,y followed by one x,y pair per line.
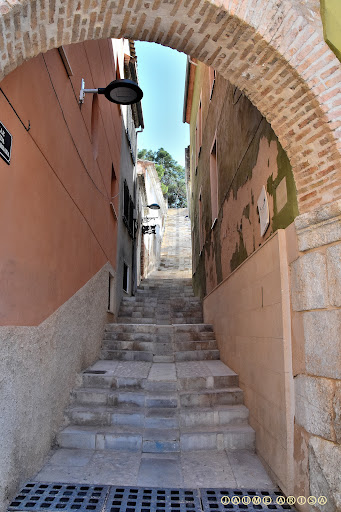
x,y
153,206
123,92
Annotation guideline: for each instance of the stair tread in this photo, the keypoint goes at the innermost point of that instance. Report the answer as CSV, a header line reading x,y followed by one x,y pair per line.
x,y
155,433
155,411
207,391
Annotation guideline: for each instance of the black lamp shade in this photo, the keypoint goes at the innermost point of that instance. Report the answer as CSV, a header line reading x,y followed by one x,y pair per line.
x,y
123,92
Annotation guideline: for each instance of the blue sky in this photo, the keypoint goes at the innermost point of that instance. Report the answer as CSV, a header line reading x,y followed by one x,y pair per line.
x,y
161,73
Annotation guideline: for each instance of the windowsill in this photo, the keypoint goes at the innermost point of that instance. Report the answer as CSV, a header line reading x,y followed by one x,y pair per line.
x,y
212,89
113,210
214,223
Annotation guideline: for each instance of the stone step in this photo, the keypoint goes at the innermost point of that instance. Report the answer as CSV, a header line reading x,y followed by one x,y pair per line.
x,y
185,346
159,418
178,329
107,381
200,355
159,320
157,440
108,397
129,355
241,437
158,347
210,416
211,397
200,327
139,346
211,382
159,337
126,355
158,356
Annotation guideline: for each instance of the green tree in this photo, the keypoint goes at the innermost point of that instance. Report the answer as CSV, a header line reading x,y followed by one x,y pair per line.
x,y
171,174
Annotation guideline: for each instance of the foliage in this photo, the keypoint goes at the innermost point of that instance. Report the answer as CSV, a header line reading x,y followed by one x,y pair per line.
x,y
171,174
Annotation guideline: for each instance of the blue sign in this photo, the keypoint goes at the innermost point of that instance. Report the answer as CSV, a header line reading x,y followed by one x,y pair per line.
x,y
5,144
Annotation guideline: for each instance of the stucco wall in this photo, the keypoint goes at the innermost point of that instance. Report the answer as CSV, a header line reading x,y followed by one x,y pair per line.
x,y
38,368
249,157
56,225
250,312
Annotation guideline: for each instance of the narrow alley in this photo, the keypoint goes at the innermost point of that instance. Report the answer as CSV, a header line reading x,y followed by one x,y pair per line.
x,y
159,408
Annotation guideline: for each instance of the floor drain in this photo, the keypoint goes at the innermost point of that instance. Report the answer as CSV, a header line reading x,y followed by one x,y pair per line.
x,y
39,496
225,500
152,499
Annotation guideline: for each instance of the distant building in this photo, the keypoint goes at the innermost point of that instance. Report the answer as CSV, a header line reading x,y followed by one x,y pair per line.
x,y
151,222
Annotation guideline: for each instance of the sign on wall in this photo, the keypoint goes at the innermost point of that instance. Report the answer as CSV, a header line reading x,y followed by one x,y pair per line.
x,y
263,211
5,144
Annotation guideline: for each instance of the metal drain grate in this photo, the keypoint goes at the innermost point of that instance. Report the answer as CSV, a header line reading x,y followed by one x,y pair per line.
x,y
137,499
39,496
226,500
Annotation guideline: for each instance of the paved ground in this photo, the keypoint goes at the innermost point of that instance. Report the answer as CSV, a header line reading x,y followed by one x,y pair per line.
x,y
188,469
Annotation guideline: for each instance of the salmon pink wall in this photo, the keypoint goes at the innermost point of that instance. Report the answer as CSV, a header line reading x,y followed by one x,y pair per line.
x,y
56,225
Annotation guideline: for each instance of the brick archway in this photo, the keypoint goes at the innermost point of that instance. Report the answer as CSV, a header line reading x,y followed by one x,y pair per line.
x,y
272,50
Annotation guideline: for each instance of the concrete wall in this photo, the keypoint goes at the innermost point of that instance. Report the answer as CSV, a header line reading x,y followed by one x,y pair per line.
x,y
38,368
56,225
250,312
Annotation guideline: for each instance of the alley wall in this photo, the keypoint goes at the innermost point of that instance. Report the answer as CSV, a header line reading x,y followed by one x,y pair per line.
x,y
229,133
59,242
57,229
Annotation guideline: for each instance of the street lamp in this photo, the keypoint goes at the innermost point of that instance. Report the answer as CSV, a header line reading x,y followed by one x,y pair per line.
x,y
123,92
153,206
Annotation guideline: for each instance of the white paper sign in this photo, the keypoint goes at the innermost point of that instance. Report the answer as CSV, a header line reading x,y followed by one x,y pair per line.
x,y
263,210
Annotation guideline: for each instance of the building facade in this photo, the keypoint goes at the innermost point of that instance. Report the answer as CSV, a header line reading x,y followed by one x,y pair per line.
x,y
151,222
247,269
66,224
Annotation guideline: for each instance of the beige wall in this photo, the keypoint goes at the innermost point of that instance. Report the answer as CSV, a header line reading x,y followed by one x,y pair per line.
x,y
250,311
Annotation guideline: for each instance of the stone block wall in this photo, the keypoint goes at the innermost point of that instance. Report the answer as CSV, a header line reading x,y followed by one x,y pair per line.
x,y
250,311
316,305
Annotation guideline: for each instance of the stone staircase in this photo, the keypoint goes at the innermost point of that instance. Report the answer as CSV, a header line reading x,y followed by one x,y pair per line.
x,y
159,386
169,301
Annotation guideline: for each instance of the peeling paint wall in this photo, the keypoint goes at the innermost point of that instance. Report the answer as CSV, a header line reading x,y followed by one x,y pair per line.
x,y
249,157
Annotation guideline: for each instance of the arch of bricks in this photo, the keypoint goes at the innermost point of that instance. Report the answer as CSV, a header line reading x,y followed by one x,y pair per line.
x,y
273,50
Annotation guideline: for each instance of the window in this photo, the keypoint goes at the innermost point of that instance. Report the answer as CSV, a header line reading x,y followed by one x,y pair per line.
x,y
201,227
111,293
113,182
125,277
128,210
113,191
214,181
198,131
212,77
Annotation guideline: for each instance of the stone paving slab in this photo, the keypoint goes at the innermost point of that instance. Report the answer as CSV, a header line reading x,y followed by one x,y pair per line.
x,y
162,371
189,469
203,369
248,468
